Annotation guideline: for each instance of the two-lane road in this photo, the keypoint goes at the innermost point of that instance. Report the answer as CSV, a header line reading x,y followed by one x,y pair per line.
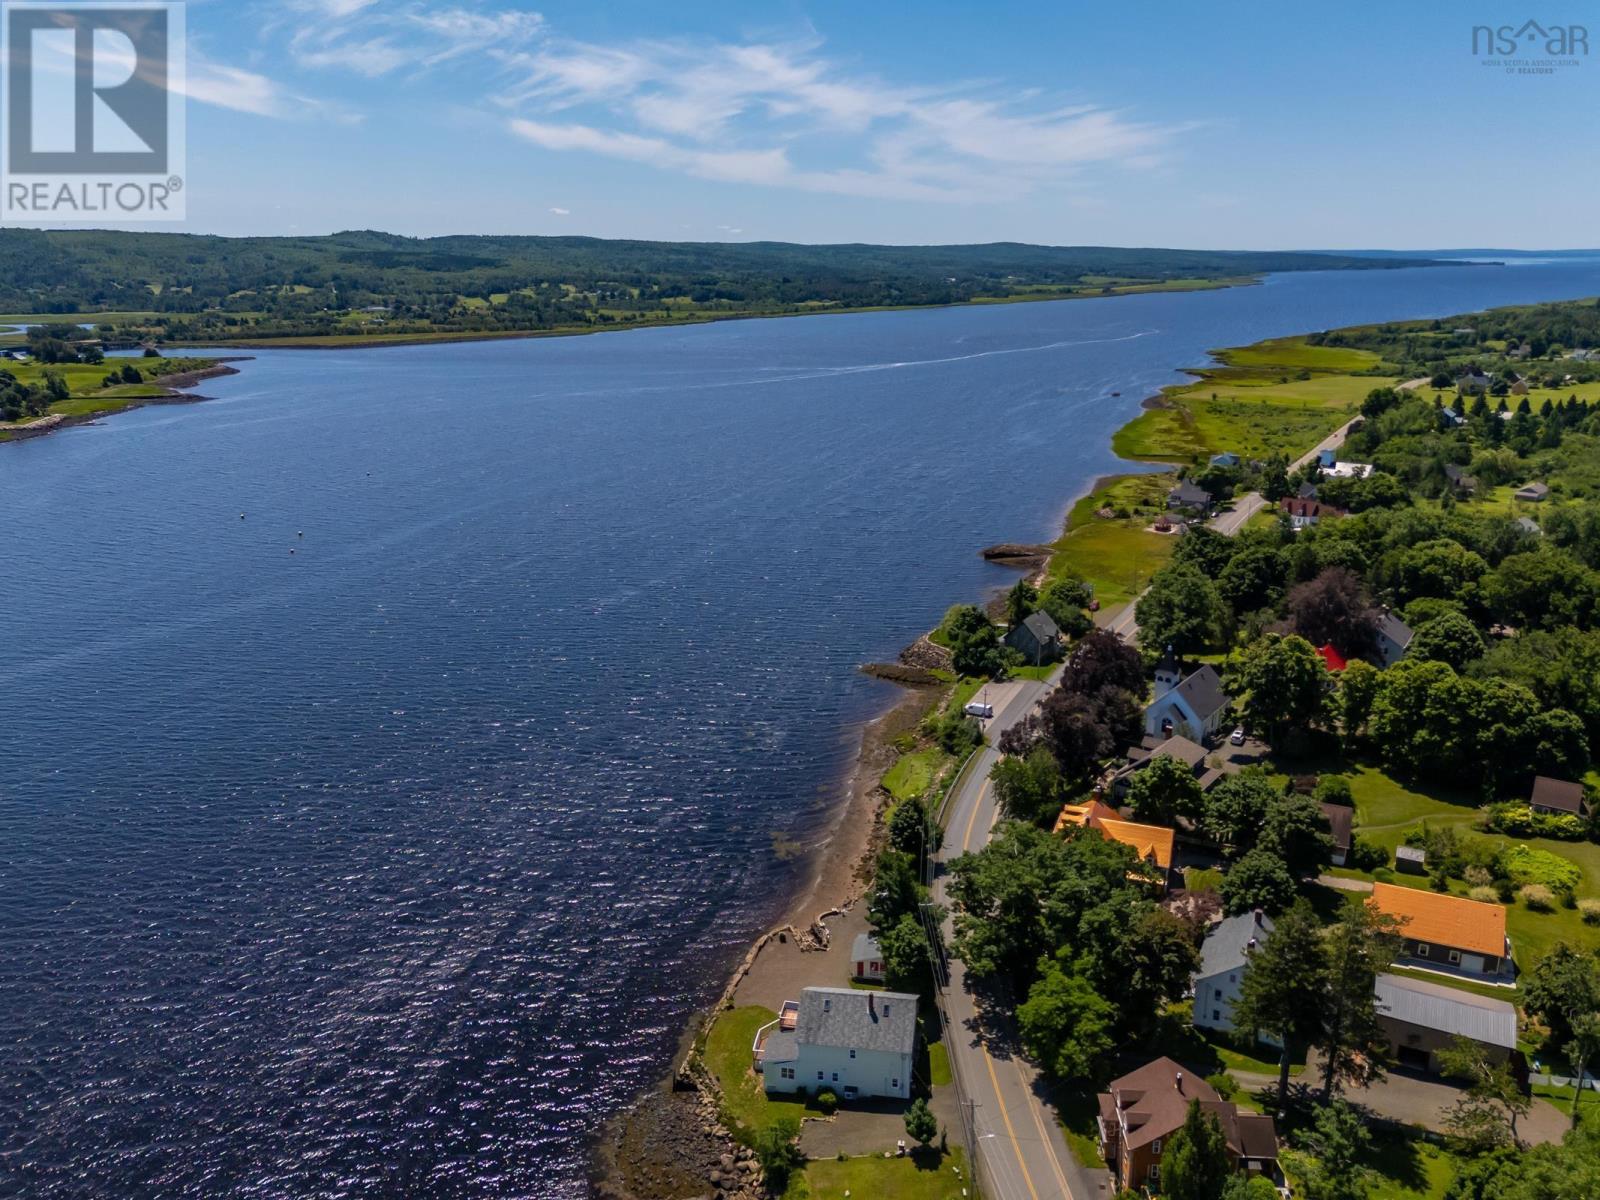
x,y
1022,1154
1124,623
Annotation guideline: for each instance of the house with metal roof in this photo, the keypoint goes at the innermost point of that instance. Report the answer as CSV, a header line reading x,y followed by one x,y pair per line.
x,y
1189,706
1140,1111
1447,933
1223,958
852,1043
1420,1019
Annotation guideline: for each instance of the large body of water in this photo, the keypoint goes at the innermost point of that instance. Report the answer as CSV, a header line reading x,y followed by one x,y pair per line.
x,y
379,843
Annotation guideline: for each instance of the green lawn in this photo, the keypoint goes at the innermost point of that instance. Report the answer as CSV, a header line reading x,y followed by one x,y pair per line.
x,y
938,1065
1410,1168
913,774
727,1054
921,1176
1077,1111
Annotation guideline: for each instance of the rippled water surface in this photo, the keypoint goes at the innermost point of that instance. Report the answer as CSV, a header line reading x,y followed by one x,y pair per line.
x,y
398,747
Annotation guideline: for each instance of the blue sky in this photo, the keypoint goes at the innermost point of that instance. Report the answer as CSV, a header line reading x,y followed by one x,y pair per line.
x,y
1207,125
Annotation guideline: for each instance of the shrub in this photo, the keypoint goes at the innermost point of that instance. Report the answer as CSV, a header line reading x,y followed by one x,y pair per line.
x,y
1538,898
1590,911
827,1102
1368,856
1478,877
1224,1085
1518,820
1523,865
1383,875
1484,895
1334,789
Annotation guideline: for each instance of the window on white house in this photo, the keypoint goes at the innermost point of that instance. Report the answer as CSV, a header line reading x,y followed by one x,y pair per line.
x,y
894,1083
819,1076
787,1073
1219,993
1233,979
1216,1014
852,1054
836,1077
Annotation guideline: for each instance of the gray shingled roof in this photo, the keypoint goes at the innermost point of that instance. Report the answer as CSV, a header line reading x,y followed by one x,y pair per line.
x,y
1203,692
1043,626
1447,1010
857,1020
1396,630
780,1047
1560,794
1227,946
1189,493
865,949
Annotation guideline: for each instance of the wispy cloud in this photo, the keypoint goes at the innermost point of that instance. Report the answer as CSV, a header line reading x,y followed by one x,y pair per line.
x,y
783,115
561,212
375,39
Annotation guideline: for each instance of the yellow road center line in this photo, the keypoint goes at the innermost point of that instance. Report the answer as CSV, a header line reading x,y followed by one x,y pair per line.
x,y
966,838
1044,1136
1006,1117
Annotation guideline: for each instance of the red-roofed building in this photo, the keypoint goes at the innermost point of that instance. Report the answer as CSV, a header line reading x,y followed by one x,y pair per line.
x,y
1331,658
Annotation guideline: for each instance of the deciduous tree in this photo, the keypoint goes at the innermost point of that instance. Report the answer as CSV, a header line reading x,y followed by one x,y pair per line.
x,y
1282,988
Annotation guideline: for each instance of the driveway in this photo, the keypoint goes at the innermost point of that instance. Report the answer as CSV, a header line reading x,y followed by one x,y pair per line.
x,y
1416,1099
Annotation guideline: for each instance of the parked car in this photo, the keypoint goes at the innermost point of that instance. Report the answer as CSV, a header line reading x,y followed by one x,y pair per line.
x,y
1237,736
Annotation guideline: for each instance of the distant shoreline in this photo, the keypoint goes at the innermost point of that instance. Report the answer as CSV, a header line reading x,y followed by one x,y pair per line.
x,y
393,341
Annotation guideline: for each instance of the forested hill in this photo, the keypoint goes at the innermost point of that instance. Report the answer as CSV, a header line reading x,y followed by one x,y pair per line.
x,y
297,285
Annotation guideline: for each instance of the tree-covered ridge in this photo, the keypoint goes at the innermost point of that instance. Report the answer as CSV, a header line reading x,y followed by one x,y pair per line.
x,y
294,285
1547,344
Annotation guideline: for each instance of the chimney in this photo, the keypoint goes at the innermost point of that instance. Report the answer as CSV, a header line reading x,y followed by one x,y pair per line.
x,y
1250,945
1259,915
872,1007
1179,1083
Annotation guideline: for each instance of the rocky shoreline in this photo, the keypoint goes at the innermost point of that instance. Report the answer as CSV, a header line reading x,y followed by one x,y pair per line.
x,y
671,1143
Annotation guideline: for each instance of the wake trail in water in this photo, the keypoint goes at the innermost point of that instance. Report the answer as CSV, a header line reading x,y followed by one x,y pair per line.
x,y
826,372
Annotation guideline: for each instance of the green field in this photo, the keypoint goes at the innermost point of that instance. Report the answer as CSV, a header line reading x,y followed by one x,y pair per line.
x,y
1278,396
1117,555
85,379
922,1176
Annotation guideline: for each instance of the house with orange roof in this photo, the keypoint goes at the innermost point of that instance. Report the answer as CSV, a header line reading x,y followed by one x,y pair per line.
x,y
1152,843
1448,933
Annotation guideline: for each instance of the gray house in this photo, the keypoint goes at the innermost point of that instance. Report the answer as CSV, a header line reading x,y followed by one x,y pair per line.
x,y
1532,492
1038,638
1190,497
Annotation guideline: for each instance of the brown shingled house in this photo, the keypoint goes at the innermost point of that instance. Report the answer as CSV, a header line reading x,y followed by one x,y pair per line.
x,y
1143,1109
1556,797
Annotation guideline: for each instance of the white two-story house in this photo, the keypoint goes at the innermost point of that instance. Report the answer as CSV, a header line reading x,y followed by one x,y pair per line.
x,y
853,1043
1223,958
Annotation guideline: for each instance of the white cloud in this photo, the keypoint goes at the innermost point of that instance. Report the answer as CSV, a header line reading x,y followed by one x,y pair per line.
x,y
762,112
562,212
361,36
